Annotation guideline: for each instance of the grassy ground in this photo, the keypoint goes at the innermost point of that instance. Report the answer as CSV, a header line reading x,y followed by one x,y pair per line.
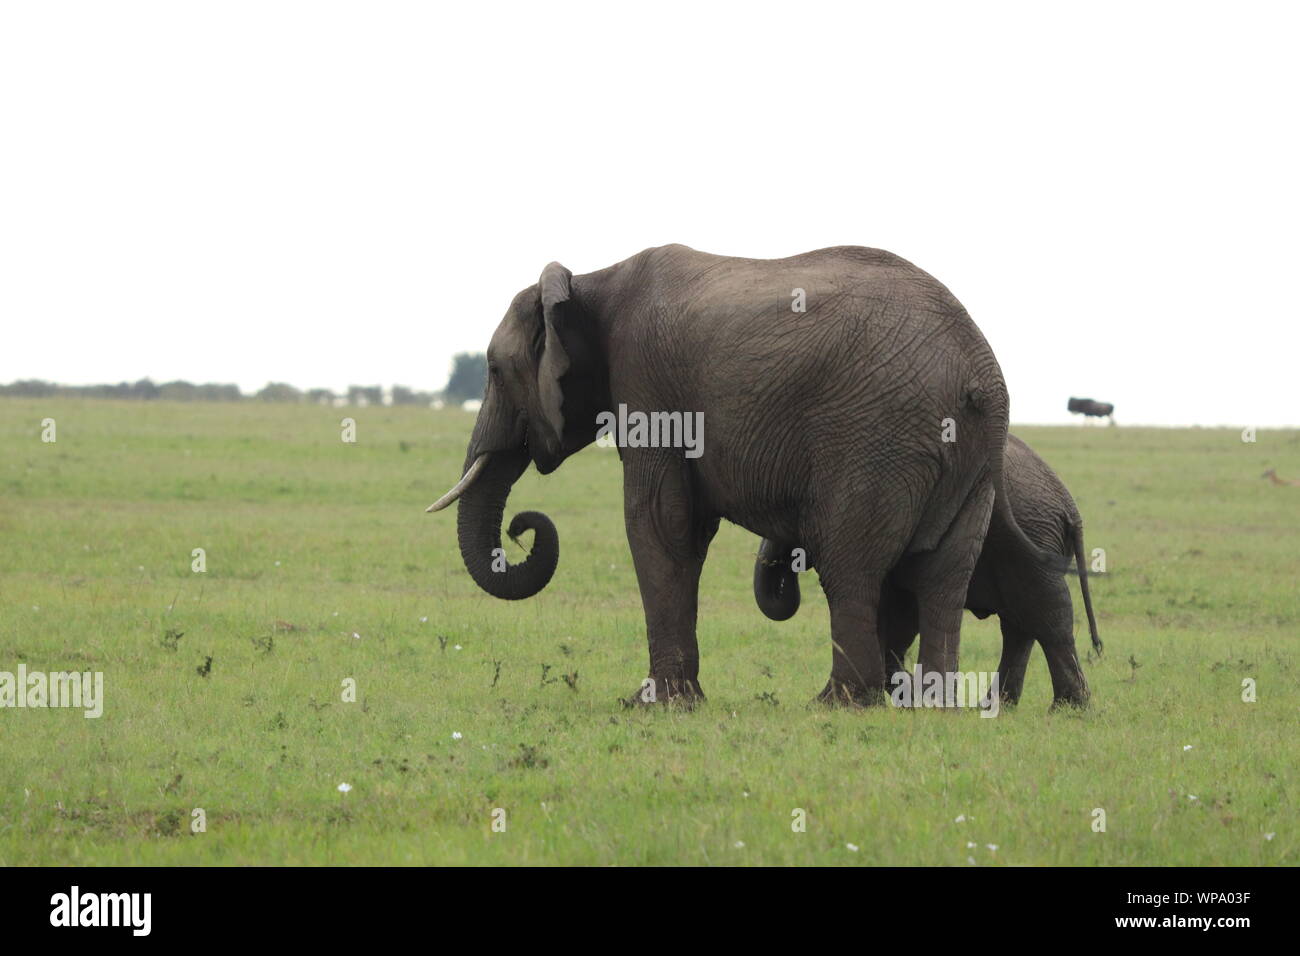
x,y
322,566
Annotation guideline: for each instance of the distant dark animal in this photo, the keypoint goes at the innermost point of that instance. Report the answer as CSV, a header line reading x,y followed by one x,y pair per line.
x,y
1093,409
1271,475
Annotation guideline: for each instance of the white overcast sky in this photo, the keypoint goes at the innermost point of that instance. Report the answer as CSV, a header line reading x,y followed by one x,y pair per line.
x,y
334,193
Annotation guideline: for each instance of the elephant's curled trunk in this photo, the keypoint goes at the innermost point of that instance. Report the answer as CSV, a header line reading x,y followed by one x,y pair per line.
x,y
483,493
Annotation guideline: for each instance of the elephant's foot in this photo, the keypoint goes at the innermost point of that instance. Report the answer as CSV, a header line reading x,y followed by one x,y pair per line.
x,y
1070,695
1072,702
683,692
838,693
1069,686
1008,696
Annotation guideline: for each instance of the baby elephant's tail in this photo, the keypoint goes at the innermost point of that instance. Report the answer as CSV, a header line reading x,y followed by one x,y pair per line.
x,y
1076,532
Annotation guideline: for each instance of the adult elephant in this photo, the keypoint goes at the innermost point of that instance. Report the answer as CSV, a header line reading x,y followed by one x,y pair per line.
x,y
849,403
1030,598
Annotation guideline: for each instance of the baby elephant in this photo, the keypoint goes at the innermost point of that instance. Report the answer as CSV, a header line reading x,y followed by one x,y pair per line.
x,y
1031,600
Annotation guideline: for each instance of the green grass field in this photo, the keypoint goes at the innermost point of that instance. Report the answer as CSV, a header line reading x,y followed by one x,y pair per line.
x,y
322,566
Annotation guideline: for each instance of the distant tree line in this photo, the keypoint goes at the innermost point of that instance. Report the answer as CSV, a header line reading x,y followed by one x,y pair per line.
x,y
143,390
468,380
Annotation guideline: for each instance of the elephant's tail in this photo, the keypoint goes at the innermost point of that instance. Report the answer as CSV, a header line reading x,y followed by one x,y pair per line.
x,y
990,398
1076,532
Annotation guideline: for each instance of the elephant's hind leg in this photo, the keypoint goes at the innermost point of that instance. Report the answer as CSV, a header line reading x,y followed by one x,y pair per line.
x,y
857,661
1016,645
1069,686
859,535
1040,610
852,567
942,580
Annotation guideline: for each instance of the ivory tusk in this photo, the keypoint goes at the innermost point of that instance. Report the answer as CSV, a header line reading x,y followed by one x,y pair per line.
x,y
479,464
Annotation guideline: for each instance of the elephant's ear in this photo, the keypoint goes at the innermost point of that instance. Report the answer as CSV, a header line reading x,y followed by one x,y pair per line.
x,y
554,289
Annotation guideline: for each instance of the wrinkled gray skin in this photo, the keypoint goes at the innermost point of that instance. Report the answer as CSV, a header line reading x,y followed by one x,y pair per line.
x,y
822,427
1031,598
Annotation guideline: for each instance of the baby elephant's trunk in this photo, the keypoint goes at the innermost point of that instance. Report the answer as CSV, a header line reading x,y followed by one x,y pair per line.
x,y
776,586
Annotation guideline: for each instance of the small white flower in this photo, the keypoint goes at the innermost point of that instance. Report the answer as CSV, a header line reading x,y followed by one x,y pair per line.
x,y
745,793
1191,796
961,818
356,635
970,846
740,844
456,735
1269,836
344,787
277,564
1186,747
336,613
424,620
36,607
970,860
851,847
458,647
992,846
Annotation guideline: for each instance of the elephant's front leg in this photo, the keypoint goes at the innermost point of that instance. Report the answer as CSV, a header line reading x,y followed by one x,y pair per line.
x,y
669,539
